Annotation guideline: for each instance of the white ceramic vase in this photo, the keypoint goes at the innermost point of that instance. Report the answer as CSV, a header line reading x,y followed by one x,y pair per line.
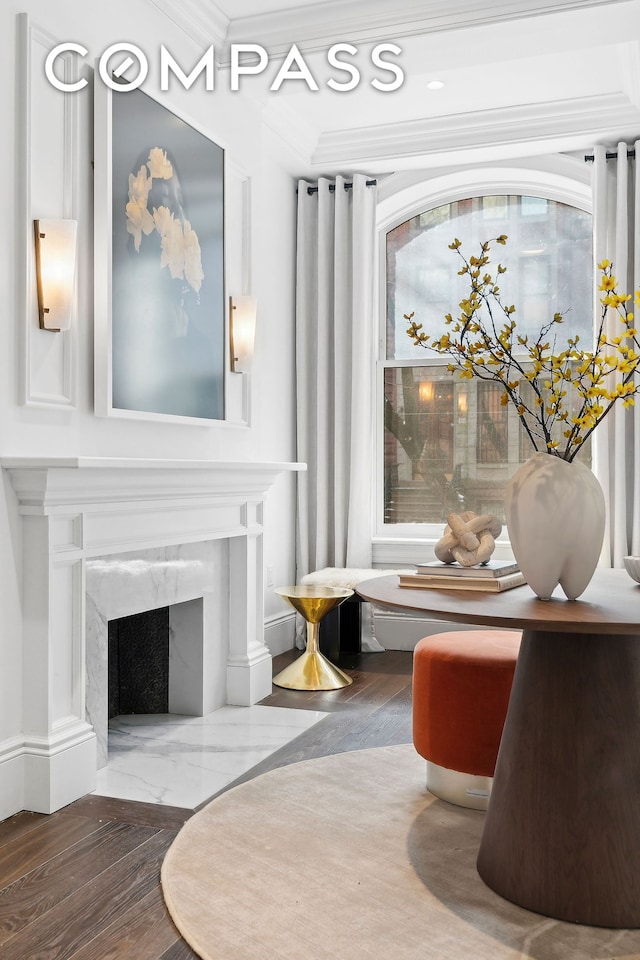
x,y
555,517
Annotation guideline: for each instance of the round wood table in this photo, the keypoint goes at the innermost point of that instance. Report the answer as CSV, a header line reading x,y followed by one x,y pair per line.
x,y
562,832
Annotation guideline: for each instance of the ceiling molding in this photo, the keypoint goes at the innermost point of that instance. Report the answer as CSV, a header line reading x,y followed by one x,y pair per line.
x,y
203,22
300,136
589,117
319,25
629,58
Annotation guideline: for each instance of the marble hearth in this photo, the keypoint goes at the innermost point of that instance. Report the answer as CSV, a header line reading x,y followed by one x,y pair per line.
x,y
104,538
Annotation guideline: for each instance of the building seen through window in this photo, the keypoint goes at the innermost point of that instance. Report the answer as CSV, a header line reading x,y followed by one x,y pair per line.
x,y
450,444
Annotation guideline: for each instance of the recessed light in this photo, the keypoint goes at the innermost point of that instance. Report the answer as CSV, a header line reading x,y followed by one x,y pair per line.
x,y
435,84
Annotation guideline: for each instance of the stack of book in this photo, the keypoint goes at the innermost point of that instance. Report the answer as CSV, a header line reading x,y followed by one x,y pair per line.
x,y
493,577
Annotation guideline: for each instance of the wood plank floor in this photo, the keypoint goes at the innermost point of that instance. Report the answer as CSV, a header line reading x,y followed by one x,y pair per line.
x,y
83,883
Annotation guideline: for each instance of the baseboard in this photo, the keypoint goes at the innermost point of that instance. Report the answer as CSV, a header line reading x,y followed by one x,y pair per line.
x,y
395,631
280,632
400,631
11,777
59,770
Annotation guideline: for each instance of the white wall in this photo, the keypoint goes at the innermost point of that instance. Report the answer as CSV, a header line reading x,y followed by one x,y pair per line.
x,y
234,122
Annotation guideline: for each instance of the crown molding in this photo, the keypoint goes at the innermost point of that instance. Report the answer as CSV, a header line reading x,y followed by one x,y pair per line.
x,y
294,130
588,118
629,59
316,26
202,22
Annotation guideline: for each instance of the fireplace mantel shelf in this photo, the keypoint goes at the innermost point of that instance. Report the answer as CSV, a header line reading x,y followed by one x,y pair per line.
x,y
50,482
141,463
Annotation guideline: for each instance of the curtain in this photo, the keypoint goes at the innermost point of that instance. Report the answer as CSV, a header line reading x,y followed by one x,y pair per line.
x,y
616,226
334,358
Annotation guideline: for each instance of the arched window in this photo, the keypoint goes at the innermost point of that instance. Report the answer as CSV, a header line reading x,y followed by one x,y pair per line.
x,y
449,444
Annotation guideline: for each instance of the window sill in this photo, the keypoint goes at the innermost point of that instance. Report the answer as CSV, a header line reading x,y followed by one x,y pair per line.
x,y
390,551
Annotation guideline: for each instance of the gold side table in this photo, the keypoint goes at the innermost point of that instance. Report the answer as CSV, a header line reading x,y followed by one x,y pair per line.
x,y
312,670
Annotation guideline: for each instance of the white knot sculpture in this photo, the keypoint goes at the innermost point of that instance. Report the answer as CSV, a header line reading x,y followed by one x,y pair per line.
x,y
468,538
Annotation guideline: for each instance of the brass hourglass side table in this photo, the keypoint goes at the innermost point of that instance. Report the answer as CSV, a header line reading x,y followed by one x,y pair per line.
x,y
312,670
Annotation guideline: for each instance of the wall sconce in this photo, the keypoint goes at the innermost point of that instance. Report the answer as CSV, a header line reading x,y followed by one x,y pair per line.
x,y
242,331
462,403
55,243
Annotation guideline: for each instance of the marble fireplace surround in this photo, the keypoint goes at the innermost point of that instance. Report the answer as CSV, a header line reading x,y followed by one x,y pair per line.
x,y
192,580
191,532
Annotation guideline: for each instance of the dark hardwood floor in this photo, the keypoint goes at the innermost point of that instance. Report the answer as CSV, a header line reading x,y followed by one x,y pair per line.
x,y
83,883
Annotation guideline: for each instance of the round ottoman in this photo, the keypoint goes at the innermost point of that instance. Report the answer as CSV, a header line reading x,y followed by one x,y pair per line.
x,y
461,686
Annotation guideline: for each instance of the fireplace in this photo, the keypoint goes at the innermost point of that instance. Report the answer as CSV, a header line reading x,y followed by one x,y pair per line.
x,y
192,581
108,538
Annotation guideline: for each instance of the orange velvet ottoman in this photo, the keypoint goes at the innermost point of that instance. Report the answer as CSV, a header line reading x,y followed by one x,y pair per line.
x,y
461,685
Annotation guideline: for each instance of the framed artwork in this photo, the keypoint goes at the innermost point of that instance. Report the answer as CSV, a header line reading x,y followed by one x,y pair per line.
x,y
160,318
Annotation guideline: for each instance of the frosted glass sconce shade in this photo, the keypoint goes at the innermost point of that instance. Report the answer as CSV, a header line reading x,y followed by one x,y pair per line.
x,y
55,243
242,331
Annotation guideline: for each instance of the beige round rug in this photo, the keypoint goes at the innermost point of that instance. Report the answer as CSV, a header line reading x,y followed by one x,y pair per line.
x,y
349,858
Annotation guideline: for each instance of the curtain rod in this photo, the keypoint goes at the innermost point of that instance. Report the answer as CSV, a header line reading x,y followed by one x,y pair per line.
x,y
347,186
609,156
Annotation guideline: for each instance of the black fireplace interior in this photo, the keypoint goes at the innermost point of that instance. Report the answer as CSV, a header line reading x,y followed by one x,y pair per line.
x,y
139,663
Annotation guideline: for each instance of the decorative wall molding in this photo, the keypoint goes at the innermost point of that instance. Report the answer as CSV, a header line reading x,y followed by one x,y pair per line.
x,y
582,118
48,188
629,58
559,178
238,230
239,186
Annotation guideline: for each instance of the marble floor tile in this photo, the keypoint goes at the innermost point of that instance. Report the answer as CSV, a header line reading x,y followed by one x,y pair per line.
x,y
183,761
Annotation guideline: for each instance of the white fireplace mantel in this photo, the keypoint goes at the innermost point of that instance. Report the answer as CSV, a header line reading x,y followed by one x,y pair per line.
x,y
57,481
76,509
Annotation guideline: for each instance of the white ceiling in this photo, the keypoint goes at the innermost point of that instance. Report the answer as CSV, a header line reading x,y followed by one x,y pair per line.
x,y
520,75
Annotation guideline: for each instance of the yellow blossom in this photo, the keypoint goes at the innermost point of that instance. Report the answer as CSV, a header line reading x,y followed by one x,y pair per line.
x,y
489,347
